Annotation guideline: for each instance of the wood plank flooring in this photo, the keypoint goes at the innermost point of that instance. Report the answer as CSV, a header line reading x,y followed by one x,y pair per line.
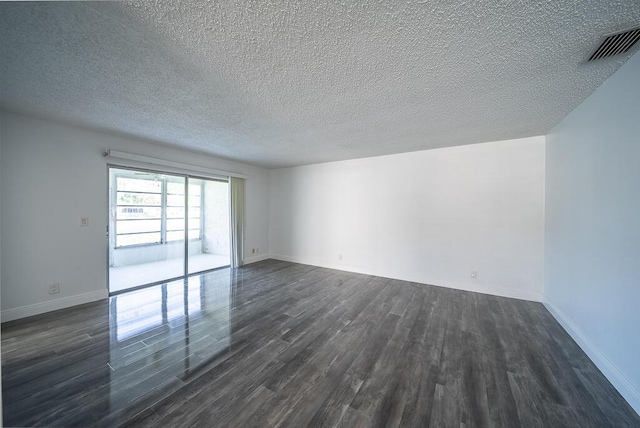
x,y
283,344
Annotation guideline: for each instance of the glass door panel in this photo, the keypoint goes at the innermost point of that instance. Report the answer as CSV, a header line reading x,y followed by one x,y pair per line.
x,y
146,228
208,224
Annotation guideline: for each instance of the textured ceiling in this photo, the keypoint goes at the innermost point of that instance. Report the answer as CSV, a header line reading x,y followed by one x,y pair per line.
x,y
280,83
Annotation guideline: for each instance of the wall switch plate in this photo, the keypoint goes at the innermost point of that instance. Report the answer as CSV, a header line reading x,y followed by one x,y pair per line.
x,y
84,221
54,288
253,251
340,257
474,275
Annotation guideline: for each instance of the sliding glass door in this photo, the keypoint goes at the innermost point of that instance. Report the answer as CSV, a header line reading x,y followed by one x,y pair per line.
x,y
164,226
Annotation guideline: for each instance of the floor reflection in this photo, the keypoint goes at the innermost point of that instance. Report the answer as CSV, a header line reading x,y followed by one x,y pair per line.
x,y
102,363
160,334
142,310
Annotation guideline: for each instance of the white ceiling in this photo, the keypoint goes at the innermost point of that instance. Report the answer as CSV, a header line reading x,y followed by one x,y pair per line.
x,y
280,83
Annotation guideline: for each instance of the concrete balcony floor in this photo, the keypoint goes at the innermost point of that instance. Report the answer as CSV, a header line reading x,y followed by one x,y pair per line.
x,y
125,277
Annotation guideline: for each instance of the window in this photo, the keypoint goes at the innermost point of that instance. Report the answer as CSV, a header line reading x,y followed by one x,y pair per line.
x,y
195,210
151,211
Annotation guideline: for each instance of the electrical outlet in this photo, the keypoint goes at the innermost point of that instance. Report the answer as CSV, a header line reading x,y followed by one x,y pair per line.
x,y
84,221
340,257
54,288
474,275
257,250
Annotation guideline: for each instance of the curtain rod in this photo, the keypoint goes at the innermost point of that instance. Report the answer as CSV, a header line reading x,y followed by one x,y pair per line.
x,y
162,162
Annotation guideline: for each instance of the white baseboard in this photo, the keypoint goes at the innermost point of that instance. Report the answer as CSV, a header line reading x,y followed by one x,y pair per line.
x,y
52,305
66,302
475,287
610,371
255,259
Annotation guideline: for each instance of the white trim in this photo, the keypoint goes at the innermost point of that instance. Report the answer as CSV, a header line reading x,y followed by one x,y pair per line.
x,y
255,259
52,305
610,371
179,165
483,288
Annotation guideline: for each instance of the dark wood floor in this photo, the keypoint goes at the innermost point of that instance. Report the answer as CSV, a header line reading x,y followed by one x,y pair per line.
x,y
277,343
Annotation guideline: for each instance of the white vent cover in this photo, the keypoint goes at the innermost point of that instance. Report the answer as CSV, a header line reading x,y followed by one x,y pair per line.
x,y
615,44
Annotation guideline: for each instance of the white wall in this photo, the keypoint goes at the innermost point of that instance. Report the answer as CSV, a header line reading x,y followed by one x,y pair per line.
x,y
431,216
54,174
592,263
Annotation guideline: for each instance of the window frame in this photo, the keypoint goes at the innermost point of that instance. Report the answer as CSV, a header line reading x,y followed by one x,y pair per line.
x,y
163,208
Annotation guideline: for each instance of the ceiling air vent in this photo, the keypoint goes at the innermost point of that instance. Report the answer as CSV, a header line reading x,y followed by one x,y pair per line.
x,y
615,44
